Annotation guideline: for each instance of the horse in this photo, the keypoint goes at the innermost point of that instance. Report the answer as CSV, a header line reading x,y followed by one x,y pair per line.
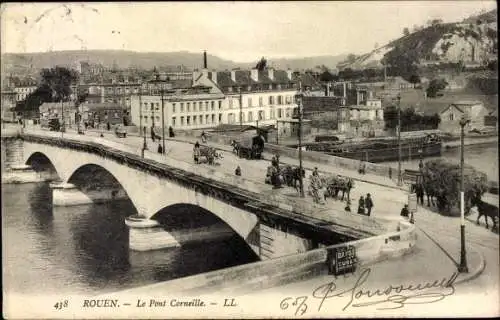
x,y
236,146
487,210
336,184
210,153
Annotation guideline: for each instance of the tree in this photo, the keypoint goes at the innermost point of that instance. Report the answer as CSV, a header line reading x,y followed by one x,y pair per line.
x,y
444,179
351,58
262,64
406,32
327,77
58,80
414,78
435,86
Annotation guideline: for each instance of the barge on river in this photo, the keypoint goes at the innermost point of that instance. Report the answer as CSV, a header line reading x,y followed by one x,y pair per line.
x,y
381,149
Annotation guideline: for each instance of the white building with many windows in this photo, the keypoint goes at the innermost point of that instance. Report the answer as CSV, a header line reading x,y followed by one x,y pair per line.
x,y
214,98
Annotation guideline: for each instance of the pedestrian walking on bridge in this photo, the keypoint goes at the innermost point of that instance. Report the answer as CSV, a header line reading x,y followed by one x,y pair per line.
x,y
368,204
361,205
238,171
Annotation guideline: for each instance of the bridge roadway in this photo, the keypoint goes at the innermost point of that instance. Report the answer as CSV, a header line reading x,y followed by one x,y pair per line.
x,y
254,170
388,203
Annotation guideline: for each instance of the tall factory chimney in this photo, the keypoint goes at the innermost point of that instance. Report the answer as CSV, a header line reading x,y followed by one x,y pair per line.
x,y
205,60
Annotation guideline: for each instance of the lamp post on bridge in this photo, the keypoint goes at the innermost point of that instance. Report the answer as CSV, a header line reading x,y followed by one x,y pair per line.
x,y
463,257
298,99
400,180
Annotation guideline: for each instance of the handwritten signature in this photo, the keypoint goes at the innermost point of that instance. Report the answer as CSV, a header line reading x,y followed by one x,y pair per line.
x,y
392,296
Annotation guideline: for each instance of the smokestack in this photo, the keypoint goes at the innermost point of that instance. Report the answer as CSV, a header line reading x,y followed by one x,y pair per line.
x,y
205,60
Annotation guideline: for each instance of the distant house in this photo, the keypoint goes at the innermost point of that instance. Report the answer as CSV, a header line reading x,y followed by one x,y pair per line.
x,y
64,111
104,113
451,115
491,120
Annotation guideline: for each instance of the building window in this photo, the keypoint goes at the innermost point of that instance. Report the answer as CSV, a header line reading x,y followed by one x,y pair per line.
x,y
289,112
280,113
250,116
201,119
288,99
194,120
261,115
194,106
220,117
272,114
182,106
271,100
280,99
157,106
220,104
213,118
249,104
188,107
230,118
230,103
260,101
451,116
206,117
173,107
173,121
206,105
188,120
212,104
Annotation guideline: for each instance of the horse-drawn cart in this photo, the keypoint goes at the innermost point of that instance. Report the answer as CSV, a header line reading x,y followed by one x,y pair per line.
x,y
249,147
335,184
209,153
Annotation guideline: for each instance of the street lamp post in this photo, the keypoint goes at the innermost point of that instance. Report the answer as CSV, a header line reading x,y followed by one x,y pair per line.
x,y
298,98
399,141
463,258
241,107
277,132
162,121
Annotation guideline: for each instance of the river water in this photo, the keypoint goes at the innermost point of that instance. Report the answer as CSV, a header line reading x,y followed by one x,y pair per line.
x,y
482,157
84,249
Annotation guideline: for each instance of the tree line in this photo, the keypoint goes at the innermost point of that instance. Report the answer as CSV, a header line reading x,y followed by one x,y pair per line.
x,y
410,120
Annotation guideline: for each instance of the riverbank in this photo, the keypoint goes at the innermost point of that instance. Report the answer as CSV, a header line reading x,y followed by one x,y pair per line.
x,y
470,141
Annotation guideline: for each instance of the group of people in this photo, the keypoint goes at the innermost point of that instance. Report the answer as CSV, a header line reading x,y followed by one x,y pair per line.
x,y
365,205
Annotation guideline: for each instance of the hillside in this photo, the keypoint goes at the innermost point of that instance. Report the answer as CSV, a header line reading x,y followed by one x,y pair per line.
x,y
18,63
472,40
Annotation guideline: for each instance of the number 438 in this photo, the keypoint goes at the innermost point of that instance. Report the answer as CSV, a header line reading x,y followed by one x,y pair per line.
x,y
61,304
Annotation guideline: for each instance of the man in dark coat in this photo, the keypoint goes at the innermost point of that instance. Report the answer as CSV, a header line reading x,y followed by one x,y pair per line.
x,y
368,204
361,205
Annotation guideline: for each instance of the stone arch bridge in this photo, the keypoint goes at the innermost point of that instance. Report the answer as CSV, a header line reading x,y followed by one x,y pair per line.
x,y
89,172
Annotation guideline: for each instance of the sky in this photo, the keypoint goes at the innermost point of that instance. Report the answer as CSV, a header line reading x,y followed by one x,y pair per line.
x,y
238,31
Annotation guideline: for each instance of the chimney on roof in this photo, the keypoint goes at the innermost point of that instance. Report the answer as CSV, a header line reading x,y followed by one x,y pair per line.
x,y
205,60
254,74
233,75
289,74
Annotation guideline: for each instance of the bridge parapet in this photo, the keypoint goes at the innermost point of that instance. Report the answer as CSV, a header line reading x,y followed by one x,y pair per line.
x,y
291,268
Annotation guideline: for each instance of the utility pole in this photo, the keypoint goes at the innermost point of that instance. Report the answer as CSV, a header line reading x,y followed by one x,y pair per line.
x,y
462,268
399,141
277,132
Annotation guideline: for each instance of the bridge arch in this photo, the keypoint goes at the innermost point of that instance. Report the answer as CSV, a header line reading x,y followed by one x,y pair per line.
x,y
41,163
179,217
149,192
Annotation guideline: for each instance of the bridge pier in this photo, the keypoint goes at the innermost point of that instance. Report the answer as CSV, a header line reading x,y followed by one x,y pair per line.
x,y
21,173
67,194
146,235
276,243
